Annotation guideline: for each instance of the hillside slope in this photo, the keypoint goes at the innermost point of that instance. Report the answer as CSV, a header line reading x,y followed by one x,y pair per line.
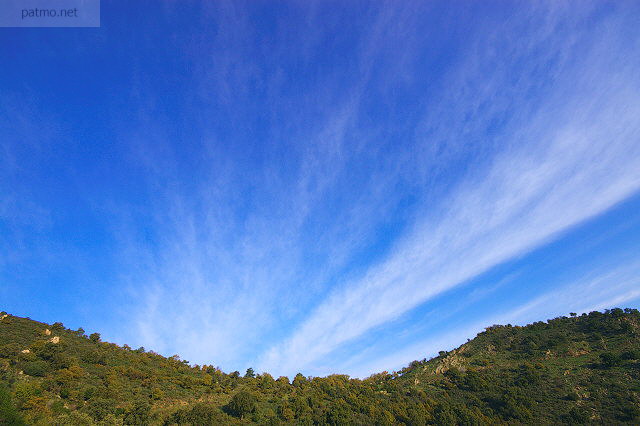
x,y
573,370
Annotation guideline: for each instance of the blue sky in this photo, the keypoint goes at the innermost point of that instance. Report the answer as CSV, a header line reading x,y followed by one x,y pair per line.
x,y
320,186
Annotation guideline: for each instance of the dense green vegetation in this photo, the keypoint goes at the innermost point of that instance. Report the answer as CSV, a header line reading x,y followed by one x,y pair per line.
x,y
572,370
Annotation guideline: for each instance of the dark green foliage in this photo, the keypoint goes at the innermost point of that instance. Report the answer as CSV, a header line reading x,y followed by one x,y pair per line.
x,y
138,414
444,415
568,370
576,416
9,415
36,368
242,403
199,414
514,404
299,380
98,408
609,359
93,357
10,350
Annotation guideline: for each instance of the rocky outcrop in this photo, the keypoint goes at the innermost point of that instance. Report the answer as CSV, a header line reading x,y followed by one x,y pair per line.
x,y
452,360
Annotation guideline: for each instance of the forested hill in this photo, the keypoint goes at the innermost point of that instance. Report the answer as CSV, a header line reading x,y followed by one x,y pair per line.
x,y
577,369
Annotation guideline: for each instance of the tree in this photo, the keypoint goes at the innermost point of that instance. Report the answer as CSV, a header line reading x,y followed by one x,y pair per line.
x,y
250,373
95,337
299,380
199,414
286,412
138,414
609,359
242,404
36,368
266,381
9,415
283,380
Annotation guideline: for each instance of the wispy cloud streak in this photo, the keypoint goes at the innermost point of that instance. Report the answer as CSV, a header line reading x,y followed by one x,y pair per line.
x,y
618,285
281,184
572,158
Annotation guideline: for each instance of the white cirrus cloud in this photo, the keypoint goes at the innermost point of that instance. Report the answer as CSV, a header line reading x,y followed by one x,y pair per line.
x,y
572,157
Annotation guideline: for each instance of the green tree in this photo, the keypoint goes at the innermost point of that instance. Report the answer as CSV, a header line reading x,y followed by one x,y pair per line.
x,y
242,403
36,368
8,413
138,414
609,359
200,414
299,380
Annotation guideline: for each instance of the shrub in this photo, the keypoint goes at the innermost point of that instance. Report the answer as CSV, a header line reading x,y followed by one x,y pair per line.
x,y
9,350
139,414
36,368
94,357
576,416
443,415
199,414
99,408
609,359
630,355
8,413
